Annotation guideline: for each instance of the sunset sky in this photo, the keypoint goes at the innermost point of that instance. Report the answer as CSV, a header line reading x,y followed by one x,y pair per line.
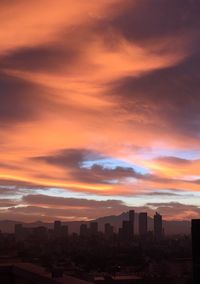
x,y
99,108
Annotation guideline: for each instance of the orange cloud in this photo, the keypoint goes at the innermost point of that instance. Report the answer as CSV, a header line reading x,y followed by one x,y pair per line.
x,y
110,77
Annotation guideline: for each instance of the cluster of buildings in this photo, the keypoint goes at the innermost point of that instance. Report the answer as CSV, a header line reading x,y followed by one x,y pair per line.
x,y
196,250
125,233
93,229
133,254
41,233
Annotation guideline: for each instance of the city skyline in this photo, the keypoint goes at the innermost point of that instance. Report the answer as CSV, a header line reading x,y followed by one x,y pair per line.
x,y
128,230
99,109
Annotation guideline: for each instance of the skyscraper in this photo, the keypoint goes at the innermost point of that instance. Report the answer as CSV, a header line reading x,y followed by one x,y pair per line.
x,y
143,224
57,226
57,229
83,230
196,250
93,228
131,223
108,230
158,231
125,230
64,231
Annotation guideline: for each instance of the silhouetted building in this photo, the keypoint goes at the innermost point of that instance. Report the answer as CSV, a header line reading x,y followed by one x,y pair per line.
x,y
64,231
120,233
108,230
93,228
131,223
125,232
83,230
143,224
158,230
57,226
40,233
196,250
60,231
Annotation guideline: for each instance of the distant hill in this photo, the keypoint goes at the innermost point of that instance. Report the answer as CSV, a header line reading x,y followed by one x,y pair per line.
x,y
170,227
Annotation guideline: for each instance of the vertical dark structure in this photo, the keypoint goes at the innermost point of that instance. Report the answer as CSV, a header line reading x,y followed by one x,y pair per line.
x,y
158,230
57,229
142,224
108,230
131,223
126,230
57,226
64,231
93,228
83,230
196,250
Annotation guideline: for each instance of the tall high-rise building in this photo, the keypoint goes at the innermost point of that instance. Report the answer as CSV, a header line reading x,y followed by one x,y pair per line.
x,y
64,231
93,228
158,230
143,224
125,232
196,250
83,230
131,223
57,229
57,226
40,233
108,230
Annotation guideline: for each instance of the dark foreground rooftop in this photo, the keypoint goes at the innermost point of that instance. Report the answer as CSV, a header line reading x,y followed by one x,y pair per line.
x,y
27,273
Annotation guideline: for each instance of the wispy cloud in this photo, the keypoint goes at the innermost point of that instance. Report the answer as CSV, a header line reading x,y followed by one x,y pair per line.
x,y
83,81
